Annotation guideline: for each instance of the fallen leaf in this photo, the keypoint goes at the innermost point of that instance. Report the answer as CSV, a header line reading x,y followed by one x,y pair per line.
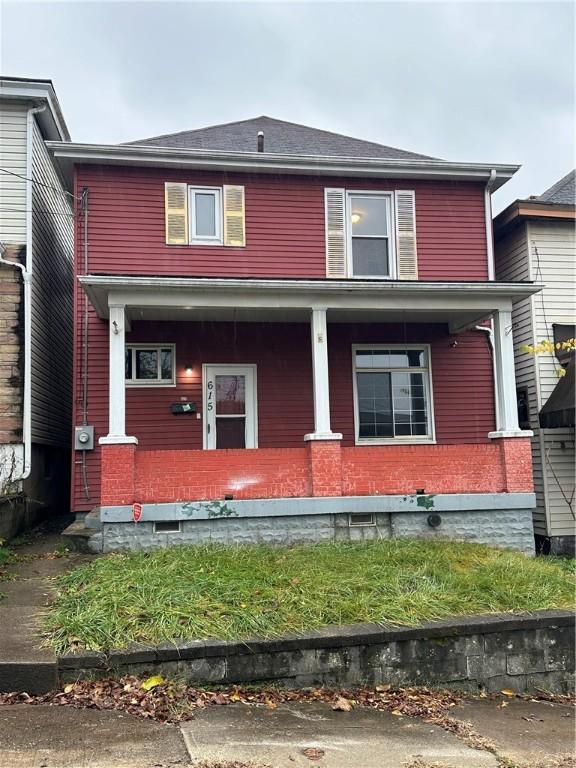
x,y
313,753
152,682
503,704
508,692
342,705
383,688
69,688
396,712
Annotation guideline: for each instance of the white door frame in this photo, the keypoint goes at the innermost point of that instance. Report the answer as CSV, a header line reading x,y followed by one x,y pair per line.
x,y
209,370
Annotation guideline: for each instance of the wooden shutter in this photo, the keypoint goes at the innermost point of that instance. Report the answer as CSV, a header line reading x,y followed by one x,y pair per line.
x,y
176,213
406,255
335,210
234,216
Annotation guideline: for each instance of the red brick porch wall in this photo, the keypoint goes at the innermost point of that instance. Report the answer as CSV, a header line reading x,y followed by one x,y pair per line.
x,y
322,468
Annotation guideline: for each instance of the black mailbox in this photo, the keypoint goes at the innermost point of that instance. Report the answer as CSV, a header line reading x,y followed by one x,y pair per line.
x,y
183,407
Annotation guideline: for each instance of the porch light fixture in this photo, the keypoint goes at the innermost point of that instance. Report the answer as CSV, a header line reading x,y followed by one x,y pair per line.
x,y
189,369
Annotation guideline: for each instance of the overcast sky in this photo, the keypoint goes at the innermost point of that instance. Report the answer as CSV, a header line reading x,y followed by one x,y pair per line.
x,y
486,82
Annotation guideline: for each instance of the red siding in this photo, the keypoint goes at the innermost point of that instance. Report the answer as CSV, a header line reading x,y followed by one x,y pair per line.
x,y
284,225
462,383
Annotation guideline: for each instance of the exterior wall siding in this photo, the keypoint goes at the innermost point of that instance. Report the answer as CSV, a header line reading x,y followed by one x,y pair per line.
x,y
11,353
52,307
13,159
543,251
462,384
553,261
285,234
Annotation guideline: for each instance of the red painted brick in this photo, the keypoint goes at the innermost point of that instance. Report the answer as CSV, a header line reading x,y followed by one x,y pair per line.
x,y
117,479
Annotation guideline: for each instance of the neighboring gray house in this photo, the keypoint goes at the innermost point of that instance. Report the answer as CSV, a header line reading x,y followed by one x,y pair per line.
x,y
36,293
535,240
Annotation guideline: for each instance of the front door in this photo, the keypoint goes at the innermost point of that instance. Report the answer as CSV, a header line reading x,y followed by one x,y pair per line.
x,y
230,406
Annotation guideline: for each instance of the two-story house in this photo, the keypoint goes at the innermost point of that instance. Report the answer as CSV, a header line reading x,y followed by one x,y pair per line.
x,y
281,334
36,310
536,240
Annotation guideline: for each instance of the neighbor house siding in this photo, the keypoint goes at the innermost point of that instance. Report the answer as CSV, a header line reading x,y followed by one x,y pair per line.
x,y
513,263
285,235
464,414
553,262
52,316
13,117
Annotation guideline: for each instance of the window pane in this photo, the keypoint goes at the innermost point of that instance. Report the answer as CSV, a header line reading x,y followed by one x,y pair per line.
x,y
415,358
128,363
146,364
205,214
230,395
369,256
369,216
374,405
410,409
166,363
230,433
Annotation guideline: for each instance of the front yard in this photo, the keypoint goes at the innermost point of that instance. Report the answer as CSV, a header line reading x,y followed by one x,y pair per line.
x,y
234,593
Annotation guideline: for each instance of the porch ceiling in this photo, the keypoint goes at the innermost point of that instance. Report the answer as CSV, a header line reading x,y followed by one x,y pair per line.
x,y
256,300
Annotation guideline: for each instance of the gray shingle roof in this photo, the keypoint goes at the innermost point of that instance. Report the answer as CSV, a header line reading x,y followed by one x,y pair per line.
x,y
280,137
564,191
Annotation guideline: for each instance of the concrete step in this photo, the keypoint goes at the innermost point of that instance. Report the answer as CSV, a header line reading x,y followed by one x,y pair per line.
x,y
92,520
81,538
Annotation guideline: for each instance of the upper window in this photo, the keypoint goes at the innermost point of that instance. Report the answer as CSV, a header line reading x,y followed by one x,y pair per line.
x,y
150,365
205,206
369,224
393,400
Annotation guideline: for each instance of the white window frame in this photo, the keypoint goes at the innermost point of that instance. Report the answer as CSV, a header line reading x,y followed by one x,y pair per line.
x,y
158,382
401,439
217,238
215,369
389,196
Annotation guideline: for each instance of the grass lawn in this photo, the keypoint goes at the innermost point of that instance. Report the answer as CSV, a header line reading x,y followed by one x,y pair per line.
x,y
234,593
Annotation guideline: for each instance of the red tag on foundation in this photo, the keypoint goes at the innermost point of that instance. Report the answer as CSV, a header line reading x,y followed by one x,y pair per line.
x,y
136,512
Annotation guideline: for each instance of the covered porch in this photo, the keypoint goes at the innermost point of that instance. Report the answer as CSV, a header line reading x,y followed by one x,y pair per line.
x,y
288,394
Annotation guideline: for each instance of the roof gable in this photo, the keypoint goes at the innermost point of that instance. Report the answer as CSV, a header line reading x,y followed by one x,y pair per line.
x,y
280,137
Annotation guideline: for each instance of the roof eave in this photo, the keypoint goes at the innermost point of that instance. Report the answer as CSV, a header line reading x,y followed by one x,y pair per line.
x,y
520,210
38,91
70,154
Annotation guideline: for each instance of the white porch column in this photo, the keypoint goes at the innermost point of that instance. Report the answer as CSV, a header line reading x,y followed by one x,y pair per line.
x,y
117,385
322,430
507,409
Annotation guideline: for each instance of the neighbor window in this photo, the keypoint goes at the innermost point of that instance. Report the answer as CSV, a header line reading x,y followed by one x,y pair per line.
x,y
205,206
150,365
369,220
392,393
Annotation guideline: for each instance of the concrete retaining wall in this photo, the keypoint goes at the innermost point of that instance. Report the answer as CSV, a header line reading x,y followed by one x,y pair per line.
x,y
490,652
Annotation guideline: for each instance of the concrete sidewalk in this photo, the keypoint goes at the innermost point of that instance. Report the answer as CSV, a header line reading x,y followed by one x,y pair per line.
x,y
531,734
24,665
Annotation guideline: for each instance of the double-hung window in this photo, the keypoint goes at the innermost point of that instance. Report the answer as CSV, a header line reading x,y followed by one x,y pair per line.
x,y
371,248
393,393
205,206
150,365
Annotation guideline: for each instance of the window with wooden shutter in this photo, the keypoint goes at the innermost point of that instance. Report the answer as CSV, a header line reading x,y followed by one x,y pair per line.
x,y
176,213
335,211
234,216
406,254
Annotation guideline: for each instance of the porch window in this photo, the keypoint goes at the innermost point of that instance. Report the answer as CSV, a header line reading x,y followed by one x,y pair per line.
x,y
205,215
370,244
392,392
150,365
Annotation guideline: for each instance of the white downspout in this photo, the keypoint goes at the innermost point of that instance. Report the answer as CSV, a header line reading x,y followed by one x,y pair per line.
x,y
26,271
489,329
488,219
